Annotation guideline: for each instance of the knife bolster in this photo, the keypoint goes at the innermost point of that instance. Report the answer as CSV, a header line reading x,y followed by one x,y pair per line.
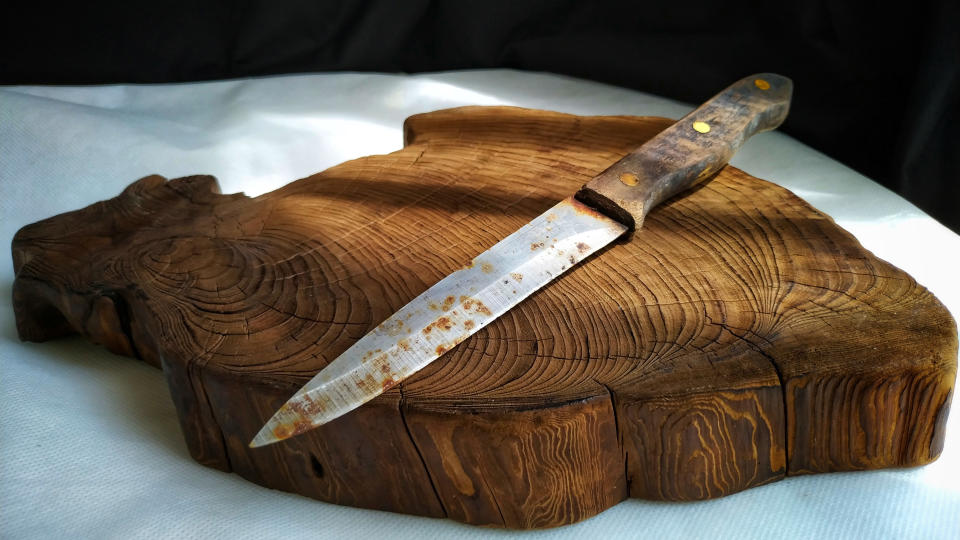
x,y
621,210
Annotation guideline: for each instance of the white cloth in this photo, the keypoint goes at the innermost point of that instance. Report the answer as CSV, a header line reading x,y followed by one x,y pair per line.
x,y
89,442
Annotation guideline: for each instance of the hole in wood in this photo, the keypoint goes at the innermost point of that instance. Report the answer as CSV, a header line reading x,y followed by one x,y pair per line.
x,y
317,467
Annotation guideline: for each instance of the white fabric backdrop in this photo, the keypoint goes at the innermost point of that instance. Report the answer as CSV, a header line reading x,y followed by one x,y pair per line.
x,y
89,442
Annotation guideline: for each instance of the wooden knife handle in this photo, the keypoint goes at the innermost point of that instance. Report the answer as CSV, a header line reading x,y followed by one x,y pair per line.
x,y
690,151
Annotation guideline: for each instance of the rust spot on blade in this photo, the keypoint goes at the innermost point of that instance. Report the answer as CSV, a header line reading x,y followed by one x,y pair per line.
x,y
302,427
581,208
304,409
572,259
381,361
486,268
551,217
391,327
388,383
469,303
517,276
367,382
448,303
483,309
283,431
434,307
444,322
404,344
443,348
582,248
468,324
307,407
535,246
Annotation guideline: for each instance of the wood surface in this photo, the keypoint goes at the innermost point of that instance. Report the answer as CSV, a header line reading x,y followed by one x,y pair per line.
x,y
740,336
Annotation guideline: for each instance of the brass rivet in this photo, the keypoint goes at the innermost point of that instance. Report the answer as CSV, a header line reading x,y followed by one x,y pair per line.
x,y
762,84
629,179
702,127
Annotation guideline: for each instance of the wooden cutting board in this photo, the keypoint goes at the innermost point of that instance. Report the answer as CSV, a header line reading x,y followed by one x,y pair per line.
x,y
741,336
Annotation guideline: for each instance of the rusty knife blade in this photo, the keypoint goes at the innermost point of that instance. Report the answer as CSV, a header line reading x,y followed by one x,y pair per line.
x,y
446,314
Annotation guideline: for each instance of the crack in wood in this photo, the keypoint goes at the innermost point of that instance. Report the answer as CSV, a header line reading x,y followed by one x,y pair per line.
x,y
413,442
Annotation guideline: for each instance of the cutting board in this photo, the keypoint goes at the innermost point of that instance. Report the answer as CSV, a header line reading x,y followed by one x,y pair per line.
x,y
740,337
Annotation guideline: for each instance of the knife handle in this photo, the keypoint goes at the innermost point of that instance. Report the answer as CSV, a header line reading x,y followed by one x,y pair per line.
x,y
690,151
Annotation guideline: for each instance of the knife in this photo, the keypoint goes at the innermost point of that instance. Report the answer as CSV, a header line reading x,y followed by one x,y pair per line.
x,y
613,203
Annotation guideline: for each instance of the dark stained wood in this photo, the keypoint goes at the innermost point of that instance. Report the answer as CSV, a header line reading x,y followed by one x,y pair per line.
x,y
738,337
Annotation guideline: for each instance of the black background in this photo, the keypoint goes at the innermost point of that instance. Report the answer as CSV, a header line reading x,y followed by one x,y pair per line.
x,y
877,84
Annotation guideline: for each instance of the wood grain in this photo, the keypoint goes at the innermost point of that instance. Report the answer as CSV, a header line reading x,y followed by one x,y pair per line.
x,y
738,337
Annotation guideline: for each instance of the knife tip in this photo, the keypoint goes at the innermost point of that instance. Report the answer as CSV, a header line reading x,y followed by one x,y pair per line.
x,y
264,437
